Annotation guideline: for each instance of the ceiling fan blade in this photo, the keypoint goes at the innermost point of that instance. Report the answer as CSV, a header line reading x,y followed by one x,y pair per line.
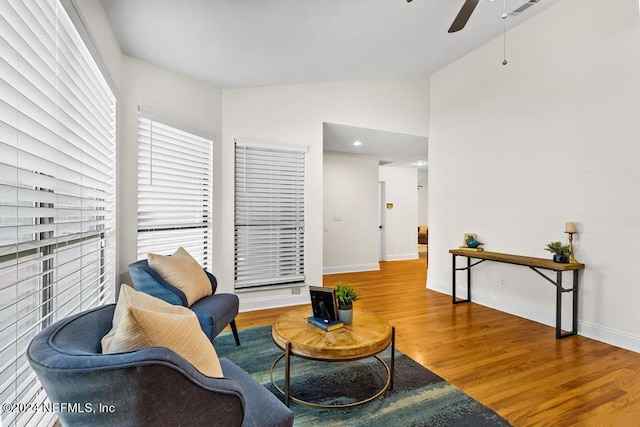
x,y
463,16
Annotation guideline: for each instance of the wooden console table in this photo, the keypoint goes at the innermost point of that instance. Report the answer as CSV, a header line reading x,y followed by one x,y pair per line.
x,y
535,264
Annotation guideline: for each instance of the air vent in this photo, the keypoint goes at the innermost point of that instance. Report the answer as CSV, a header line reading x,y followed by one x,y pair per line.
x,y
524,7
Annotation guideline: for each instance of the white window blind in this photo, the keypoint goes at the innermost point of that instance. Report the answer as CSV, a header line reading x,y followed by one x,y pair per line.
x,y
269,214
57,182
175,187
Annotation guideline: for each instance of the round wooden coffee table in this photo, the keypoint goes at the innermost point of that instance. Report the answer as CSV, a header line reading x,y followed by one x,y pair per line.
x,y
367,336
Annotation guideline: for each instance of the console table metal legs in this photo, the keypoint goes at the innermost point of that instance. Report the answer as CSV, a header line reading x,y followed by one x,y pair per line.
x,y
559,291
468,268
514,260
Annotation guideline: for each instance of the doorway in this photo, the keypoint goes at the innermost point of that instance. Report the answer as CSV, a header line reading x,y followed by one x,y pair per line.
x,y
381,220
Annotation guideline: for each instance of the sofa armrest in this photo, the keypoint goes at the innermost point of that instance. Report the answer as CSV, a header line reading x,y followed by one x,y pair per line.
x,y
263,407
214,282
146,279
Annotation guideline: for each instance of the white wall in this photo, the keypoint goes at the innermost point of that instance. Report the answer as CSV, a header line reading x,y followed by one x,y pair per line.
x,y
401,221
182,100
351,236
102,35
295,114
516,151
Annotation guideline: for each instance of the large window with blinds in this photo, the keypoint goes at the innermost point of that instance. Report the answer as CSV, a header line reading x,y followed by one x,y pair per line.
x,y
175,189
57,183
269,214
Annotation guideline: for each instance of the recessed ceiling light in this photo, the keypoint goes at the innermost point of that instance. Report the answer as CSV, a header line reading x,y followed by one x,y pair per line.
x,y
421,163
357,144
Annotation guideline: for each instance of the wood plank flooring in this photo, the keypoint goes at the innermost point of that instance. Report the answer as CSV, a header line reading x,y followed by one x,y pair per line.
x,y
513,365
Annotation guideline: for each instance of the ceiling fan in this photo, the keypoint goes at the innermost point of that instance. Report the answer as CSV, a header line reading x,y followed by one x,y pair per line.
x,y
463,16
470,5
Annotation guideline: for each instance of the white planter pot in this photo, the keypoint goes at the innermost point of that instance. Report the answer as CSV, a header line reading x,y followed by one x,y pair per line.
x,y
346,316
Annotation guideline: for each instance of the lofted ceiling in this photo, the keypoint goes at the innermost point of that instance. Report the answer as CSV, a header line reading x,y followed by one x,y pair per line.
x,y
245,43
248,43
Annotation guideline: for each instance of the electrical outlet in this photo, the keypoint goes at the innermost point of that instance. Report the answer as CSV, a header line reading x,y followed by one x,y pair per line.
x,y
295,291
503,282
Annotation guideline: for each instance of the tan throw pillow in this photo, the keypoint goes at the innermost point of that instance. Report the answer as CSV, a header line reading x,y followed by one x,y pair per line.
x,y
180,333
183,272
129,297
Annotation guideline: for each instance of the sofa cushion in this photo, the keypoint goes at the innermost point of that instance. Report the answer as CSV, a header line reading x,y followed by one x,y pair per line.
x,y
181,333
129,297
216,312
182,271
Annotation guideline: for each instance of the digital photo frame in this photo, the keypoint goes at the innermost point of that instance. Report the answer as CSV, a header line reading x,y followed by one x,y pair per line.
x,y
324,303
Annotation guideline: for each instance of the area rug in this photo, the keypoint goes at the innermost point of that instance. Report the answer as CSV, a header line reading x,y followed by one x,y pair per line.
x,y
419,397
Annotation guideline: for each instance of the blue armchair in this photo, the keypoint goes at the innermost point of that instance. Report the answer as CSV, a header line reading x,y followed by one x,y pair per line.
x,y
214,312
149,387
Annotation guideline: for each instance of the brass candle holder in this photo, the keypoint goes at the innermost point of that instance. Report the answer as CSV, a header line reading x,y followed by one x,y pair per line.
x,y
572,259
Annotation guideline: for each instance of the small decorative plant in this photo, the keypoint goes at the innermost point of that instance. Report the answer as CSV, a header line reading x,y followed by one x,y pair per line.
x,y
560,252
557,248
346,295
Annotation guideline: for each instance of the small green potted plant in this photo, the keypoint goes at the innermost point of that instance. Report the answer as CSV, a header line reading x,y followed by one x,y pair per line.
x,y
346,295
560,251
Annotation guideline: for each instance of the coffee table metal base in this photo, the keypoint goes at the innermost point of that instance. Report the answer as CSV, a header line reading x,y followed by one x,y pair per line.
x,y
287,379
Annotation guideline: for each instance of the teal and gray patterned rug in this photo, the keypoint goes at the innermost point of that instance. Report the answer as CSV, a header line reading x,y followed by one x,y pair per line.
x,y
419,397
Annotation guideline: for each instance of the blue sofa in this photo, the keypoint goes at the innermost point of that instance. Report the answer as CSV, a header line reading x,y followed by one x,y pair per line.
x,y
148,387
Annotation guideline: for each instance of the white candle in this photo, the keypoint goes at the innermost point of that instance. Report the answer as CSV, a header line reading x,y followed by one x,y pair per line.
x,y
570,227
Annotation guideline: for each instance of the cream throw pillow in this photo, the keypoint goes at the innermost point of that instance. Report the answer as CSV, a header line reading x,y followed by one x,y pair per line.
x,y
183,272
129,297
140,328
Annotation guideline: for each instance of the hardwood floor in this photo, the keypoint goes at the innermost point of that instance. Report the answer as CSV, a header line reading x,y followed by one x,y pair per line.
x,y
512,365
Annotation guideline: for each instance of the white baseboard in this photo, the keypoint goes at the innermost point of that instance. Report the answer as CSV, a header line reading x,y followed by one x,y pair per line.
x,y
273,301
609,336
491,301
442,287
402,257
546,317
351,268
